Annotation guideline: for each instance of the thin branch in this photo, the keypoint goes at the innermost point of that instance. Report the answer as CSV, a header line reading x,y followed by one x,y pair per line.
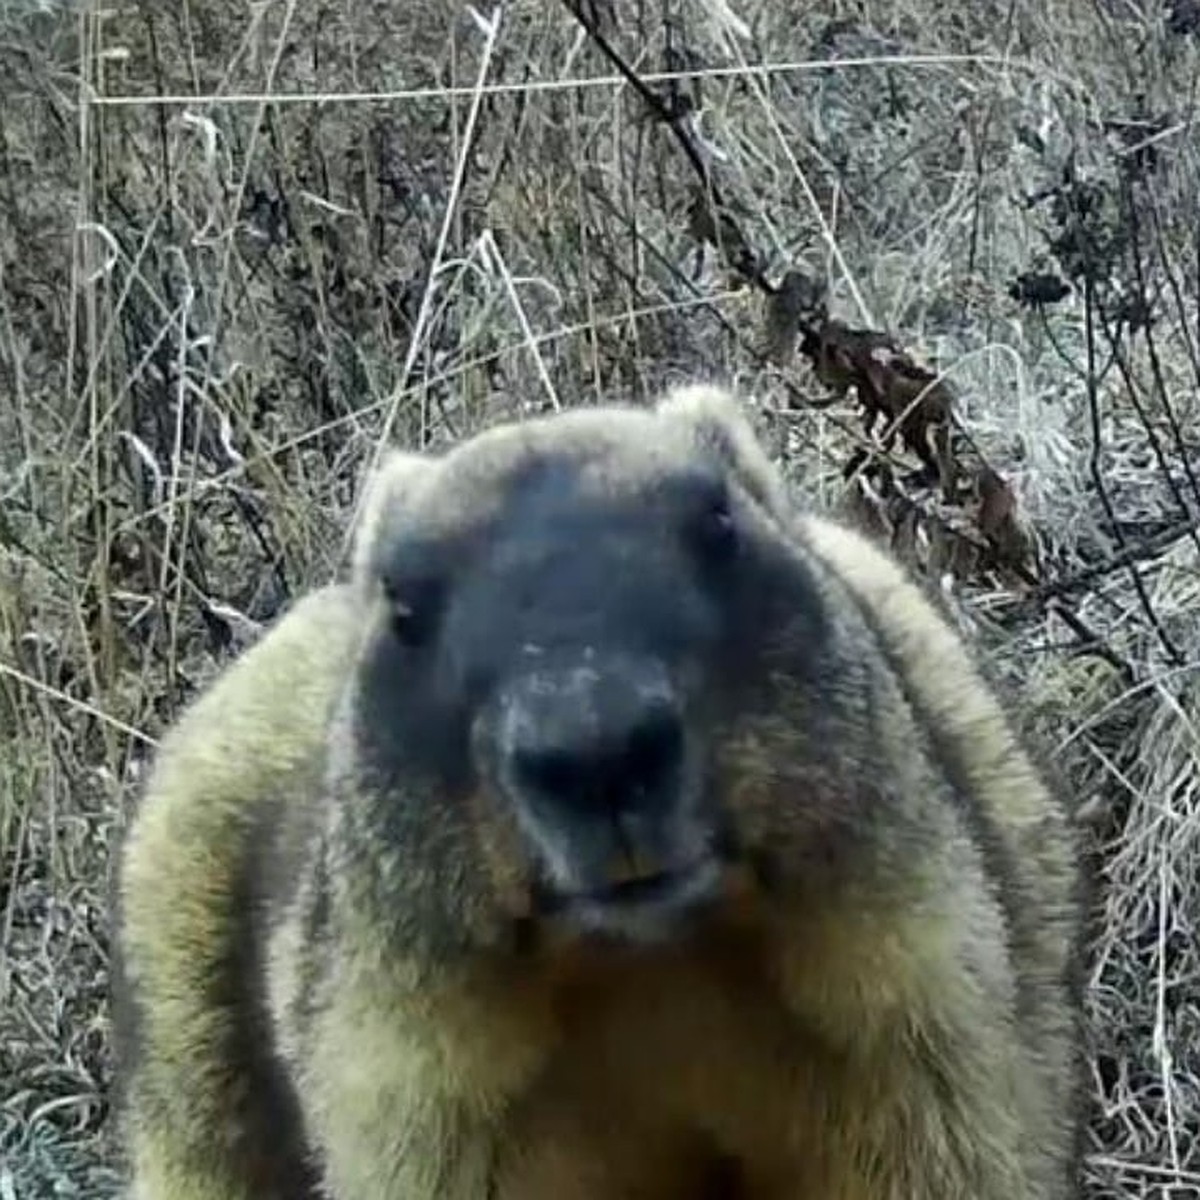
x,y
1098,478
675,121
1140,551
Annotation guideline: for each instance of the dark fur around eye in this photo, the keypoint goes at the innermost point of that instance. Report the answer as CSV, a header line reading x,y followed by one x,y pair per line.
x,y
714,527
414,610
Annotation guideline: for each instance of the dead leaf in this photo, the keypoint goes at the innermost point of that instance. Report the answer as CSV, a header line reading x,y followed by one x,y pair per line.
x,y
798,297
997,502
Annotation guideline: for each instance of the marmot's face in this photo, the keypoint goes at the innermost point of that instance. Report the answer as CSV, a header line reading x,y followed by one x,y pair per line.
x,y
574,656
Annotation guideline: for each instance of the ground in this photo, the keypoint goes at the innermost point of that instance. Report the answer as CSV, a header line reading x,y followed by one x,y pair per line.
x,y
242,245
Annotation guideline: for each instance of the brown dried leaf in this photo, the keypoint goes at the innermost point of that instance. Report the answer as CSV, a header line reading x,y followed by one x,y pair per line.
x,y
997,518
797,298
718,225
997,502
913,400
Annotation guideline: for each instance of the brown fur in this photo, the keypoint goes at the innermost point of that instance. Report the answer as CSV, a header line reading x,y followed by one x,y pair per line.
x,y
882,1007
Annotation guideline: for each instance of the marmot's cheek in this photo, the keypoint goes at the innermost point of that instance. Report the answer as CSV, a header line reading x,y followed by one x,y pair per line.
x,y
512,872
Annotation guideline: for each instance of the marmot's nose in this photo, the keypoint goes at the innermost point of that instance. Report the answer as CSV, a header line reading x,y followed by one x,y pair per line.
x,y
595,738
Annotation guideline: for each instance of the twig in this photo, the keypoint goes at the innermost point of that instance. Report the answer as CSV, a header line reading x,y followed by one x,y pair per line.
x,y
1156,365
674,120
1151,434
1098,478
1137,552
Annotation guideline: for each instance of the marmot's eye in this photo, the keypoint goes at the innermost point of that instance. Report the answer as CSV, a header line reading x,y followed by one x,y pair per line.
x,y
715,529
413,611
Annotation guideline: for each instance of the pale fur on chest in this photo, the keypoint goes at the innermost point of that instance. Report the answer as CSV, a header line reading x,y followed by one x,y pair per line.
x,y
682,1079
695,1074
743,1065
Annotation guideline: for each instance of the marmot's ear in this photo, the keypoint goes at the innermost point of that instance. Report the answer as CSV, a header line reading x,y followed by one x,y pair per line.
x,y
708,406
720,427
388,488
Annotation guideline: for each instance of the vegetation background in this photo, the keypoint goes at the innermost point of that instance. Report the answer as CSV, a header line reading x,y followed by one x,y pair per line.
x,y
242,243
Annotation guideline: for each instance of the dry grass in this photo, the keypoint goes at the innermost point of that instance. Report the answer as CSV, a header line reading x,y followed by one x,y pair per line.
x,y
258,291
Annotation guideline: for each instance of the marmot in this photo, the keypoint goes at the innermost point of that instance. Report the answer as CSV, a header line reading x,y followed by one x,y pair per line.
x,y
616,831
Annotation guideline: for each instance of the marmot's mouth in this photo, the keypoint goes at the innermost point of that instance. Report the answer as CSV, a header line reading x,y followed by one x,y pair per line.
x,y
653,887
643,908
